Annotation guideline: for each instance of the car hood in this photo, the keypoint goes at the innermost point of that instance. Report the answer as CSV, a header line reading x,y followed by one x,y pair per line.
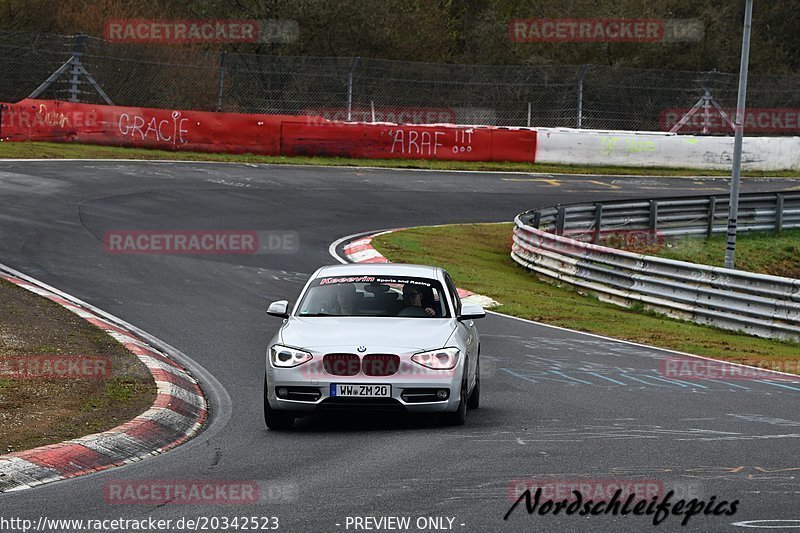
x,y
329,332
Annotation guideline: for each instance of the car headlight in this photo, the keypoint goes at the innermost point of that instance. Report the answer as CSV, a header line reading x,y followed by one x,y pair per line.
x,y
442,359
285,357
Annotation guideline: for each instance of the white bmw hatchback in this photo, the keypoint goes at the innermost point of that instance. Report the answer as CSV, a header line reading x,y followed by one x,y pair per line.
x,y
374,337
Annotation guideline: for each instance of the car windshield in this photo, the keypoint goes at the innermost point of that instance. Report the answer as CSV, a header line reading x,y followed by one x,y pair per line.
x,y
386,296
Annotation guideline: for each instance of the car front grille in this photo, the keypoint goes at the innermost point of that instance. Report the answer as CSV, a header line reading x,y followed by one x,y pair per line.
x,y
341,364
380,364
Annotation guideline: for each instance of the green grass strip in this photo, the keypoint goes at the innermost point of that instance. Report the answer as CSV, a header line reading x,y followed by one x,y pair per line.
x,y
45,150
772,253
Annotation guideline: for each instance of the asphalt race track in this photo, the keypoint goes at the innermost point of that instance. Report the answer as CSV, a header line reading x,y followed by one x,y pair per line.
x,y
556,404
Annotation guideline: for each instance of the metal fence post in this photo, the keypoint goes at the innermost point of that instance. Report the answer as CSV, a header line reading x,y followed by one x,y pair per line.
x,y
76,68
707,98
778,212
220,80
712,212
733,208
77,52
537,218
353,65
581,77
706,103
529,114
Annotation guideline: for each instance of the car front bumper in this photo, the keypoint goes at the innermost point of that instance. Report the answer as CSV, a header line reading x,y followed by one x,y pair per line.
x,y
411,390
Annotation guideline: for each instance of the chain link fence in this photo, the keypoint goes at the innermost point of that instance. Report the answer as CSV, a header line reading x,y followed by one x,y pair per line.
x,y
345,88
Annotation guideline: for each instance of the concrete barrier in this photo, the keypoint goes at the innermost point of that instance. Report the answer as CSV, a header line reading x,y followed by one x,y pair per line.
x,y
667,150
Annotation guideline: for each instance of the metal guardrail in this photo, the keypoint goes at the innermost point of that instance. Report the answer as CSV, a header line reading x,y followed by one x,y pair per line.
x,y
564,243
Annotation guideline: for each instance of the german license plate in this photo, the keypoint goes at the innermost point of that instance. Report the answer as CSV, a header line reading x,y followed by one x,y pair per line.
x,y
361,391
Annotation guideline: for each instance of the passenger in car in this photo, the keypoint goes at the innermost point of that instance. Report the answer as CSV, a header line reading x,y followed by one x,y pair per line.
x,y
429,301
412,298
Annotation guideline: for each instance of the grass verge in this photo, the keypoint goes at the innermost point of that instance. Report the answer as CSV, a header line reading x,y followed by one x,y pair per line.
x,y
772,253
44,150
483,265
36,412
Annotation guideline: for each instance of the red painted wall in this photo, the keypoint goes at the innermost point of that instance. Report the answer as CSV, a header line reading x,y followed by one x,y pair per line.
x,y
460,143
47,120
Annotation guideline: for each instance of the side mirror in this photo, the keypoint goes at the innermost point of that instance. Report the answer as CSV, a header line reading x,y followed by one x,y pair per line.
x,y
471,312
279,309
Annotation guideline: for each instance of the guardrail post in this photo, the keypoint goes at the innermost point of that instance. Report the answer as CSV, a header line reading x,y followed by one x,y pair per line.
x,y
779,212
598,222
537,219
712,213
560,216
653,217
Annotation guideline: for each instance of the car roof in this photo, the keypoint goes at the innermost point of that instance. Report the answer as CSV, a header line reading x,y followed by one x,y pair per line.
x,y
380,269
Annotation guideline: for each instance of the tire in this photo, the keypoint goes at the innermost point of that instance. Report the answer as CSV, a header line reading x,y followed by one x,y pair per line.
x,y
474,400
459,417
275,420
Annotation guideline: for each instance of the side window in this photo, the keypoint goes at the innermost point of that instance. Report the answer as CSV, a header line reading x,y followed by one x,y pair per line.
x,y
451,288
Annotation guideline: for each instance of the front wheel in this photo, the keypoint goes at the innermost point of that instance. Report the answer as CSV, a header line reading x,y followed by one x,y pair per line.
x,y
275,420
459,417
474,400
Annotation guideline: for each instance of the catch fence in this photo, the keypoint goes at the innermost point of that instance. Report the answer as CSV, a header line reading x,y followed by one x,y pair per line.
x,y
362,89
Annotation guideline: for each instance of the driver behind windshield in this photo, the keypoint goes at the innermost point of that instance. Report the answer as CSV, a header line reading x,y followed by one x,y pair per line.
x,y
412,297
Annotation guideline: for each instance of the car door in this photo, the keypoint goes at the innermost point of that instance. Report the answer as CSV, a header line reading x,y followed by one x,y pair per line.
x,y
466,330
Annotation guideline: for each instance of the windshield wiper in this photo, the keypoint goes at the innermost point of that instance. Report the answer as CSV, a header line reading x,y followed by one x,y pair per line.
x,y
318,314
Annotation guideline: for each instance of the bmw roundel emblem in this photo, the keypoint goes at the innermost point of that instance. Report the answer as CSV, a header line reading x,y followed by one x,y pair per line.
x,y
362,349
